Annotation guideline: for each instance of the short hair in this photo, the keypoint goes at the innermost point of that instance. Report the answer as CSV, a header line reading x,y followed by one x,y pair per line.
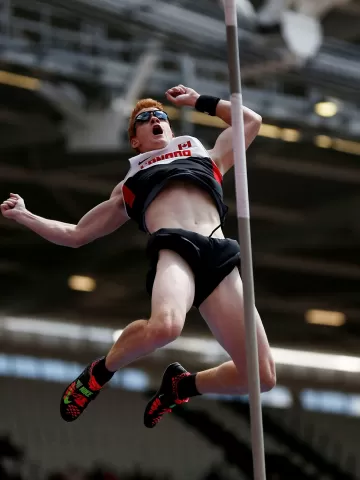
x,y
144,103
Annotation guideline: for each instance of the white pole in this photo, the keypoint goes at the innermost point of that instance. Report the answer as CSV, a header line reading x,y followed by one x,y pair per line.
x,y
243,214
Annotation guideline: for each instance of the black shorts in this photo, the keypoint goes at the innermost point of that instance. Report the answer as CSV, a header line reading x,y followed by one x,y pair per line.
x,y
211,259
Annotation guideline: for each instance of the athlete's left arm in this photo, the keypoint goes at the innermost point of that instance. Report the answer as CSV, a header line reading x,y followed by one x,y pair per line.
x,y
222,153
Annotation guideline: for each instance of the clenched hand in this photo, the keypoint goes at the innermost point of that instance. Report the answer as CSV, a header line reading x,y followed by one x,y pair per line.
x,y
13,206
182,96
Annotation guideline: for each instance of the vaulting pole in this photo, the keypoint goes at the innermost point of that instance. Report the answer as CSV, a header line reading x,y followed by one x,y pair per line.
x,y
243,215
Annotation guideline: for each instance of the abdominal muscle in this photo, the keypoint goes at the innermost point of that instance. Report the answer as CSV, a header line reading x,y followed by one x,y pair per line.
x,y
186,206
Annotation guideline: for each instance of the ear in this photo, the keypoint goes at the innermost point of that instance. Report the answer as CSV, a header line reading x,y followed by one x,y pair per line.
x,y
135,143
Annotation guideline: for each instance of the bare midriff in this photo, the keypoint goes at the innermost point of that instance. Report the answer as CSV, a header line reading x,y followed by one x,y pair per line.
x,y
184,205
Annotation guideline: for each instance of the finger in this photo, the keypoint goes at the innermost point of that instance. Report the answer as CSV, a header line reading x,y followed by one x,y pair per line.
x,y
170,93
14,195
180,89
4,207
12,203
173,91
171,97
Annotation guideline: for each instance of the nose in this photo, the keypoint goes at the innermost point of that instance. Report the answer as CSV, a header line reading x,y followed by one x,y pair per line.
x,y
154,119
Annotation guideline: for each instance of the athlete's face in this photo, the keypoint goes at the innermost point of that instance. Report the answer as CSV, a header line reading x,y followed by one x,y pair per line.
x,y
151,133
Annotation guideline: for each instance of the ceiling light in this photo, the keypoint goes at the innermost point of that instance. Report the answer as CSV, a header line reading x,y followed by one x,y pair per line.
x,y
324,317
318,361
21,81
200,346
323,141
326,109
270,131
82,284
347,146
290,135
52,328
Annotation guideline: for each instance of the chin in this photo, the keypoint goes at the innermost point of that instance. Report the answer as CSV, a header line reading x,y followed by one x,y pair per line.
x,y
161,142
156,144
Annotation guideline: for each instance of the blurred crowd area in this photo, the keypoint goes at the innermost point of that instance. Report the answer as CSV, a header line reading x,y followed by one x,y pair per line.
x,y
104,474
12,468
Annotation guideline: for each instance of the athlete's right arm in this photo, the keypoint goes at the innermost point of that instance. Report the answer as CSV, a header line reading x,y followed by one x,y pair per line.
x,y
102,220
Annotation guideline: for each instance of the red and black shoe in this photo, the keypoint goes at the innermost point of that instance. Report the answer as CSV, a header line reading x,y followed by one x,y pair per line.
x,y
79,394
166,398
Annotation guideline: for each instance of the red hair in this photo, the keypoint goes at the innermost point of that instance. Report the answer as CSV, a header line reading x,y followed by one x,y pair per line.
x,y
144,103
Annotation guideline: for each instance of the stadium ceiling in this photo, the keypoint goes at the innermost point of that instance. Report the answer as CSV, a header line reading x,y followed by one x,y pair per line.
x,y
62,60
93,49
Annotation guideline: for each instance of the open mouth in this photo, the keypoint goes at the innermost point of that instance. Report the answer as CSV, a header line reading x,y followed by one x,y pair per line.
x,y
157,130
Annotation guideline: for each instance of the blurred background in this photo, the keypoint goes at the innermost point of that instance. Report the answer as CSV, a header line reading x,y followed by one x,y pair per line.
x,y
70,73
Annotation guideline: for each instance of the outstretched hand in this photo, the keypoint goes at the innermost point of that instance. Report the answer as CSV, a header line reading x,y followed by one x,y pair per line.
x,y
13,206
182,96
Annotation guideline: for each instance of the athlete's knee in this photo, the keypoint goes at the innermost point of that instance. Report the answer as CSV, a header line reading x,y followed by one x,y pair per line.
x,y
238,378
166,325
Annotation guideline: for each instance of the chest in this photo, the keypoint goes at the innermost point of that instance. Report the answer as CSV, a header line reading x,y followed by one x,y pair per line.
x,y
179,148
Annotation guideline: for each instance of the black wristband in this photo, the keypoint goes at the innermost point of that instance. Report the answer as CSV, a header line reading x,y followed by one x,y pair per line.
x,y
207,104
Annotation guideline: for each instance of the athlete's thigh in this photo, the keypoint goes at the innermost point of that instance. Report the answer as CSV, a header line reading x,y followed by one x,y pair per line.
x,y
223,312
174,287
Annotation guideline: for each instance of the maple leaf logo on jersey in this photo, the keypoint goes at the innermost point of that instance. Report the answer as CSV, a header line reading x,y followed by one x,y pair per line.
x,y
183,146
